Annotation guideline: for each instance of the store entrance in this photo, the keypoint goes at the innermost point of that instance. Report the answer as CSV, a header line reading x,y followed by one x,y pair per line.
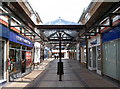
x,y
98,63
92,58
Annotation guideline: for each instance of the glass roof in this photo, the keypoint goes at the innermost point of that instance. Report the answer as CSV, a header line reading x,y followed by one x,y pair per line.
x,y
61,22
67,33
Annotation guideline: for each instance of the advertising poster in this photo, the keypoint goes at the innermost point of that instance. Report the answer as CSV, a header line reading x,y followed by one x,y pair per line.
x,y
28,59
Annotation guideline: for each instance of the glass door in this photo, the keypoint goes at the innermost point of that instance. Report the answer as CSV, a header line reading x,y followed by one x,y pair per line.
x,y
90,57
98,57
94,58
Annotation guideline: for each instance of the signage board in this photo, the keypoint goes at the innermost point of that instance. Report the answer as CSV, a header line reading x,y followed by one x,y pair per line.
x,y
17,38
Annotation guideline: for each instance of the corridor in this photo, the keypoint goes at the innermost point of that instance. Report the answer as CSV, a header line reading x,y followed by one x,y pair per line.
x,y
49,77
75,75
32,49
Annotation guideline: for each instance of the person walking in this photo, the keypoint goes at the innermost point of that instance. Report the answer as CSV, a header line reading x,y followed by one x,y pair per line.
x,y
57,55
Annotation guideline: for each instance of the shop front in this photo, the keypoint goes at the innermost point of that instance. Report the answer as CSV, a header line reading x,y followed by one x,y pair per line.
x,y
111,53
94,54
4,36
20,55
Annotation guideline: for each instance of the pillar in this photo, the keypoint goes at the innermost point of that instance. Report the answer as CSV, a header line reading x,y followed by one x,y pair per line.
x,y
7,57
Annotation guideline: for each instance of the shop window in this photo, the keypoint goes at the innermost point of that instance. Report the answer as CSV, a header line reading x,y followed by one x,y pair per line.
x,y
15,60
90,57
87,17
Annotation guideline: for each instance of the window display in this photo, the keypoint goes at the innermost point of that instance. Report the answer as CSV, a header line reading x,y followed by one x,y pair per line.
x,y
20,58
15,60
90,57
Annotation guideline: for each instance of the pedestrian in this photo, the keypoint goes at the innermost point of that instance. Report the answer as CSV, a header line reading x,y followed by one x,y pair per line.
x,y
55,56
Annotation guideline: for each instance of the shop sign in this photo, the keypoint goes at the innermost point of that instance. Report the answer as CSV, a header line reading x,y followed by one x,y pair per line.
x,y
28,55
20,39
113,34
94,42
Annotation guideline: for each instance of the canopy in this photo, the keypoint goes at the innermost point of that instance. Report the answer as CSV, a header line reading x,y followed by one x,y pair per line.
x,y
68,35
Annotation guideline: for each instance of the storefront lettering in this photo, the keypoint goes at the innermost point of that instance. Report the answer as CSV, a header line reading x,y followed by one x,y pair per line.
x,y
22,40
94,42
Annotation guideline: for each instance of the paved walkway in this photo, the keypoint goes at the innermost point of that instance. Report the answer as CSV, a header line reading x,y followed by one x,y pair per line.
x,y
75,75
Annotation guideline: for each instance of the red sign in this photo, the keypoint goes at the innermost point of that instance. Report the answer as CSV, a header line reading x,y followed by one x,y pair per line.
x,y
28,58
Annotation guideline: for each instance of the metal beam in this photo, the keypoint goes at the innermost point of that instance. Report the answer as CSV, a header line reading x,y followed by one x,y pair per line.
x,y
115,13
102,12
64,42
5,14
61,40
68,35
57,38
97,18
17,26
30,35
53,27
52,34
15,8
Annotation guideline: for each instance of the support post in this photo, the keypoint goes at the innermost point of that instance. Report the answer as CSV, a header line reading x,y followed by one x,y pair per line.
x,y
8,60
60,47
8,50
60,63
86,53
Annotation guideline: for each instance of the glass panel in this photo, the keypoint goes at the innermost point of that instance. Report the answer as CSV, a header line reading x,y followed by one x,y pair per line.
x,y
12,59
94,56
118,61
110,58
85,55
90,57
98,58
15,60
1,60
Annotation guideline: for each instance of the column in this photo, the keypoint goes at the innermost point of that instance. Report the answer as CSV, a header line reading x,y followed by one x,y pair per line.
x,y
7,57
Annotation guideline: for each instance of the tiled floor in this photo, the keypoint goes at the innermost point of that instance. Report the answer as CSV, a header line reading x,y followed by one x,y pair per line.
x,y
74,75
51,79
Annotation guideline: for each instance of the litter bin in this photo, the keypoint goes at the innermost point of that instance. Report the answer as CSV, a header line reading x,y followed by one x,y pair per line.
x,y
60,68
